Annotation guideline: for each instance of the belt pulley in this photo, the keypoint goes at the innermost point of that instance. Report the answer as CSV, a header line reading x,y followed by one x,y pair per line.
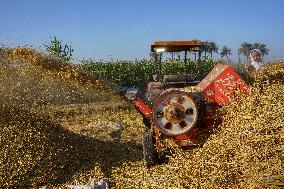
x,y
175,112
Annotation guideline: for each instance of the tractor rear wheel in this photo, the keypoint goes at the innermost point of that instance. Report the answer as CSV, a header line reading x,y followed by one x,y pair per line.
x,y
150,154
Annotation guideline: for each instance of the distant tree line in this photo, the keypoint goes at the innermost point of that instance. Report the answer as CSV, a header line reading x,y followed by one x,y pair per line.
x,y
65,51
210,47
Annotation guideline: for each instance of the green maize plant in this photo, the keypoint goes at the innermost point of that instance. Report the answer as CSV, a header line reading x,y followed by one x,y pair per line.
x,y
138,73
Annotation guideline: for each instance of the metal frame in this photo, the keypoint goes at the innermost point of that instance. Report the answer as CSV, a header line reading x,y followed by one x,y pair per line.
x,y
158,47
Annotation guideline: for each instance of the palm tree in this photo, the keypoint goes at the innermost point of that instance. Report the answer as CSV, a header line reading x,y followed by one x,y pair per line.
x,y
215,48
212,47
204,47
245,49
225,52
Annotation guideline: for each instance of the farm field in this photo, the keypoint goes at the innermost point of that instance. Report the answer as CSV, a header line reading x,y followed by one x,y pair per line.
x,y
52,115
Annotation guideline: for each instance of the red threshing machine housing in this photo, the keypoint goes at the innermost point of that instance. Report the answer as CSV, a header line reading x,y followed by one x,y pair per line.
x,y
172,109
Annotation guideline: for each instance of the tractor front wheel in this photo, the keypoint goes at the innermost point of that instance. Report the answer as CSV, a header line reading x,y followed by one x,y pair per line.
x,y
150,154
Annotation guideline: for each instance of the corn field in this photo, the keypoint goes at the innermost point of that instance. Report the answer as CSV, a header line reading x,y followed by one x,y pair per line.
x,y
138,73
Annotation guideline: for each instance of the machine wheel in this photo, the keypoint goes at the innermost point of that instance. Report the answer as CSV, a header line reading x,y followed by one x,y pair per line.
x,y
150,154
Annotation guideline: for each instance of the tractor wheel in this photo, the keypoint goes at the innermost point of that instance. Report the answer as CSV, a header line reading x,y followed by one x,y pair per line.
x,y
150,154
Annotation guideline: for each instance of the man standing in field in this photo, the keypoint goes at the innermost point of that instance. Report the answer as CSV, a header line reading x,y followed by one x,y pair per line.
x,y
256,62
256,58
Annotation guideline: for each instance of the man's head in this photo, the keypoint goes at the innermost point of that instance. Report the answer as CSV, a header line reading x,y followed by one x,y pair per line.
x,y
256,55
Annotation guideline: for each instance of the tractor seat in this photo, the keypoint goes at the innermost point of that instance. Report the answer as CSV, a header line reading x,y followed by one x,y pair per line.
x,y
179,81
176,78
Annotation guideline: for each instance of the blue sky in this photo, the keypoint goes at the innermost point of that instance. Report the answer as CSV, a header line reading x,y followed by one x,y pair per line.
x,y
124,29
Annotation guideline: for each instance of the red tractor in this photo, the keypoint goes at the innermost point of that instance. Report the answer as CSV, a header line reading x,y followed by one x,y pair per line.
x,y
180,108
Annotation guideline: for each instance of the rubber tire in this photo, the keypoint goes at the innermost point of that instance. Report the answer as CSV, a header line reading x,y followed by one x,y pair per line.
x,y
150,155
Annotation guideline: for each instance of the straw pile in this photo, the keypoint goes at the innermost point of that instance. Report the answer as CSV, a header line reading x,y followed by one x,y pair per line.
x,y
36,151
33,79
35,148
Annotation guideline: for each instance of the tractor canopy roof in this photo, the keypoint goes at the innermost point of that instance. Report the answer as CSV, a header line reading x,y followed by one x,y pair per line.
x,y
175,46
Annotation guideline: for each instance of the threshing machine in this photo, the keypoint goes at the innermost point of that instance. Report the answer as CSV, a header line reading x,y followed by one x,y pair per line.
x,y
180,108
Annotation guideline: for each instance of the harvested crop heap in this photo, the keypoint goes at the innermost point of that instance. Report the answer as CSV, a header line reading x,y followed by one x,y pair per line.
x,y
36,151
35,148
33,79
